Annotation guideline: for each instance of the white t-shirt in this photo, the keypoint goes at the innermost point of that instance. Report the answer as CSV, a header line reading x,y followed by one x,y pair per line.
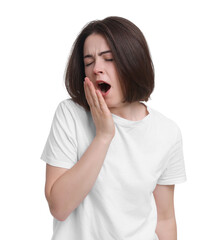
x,y
120,206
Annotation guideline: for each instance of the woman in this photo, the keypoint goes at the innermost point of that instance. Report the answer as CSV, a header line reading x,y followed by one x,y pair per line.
x,y
112,161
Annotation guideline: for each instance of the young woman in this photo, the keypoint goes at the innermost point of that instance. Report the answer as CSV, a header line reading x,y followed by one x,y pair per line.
x,y
112,161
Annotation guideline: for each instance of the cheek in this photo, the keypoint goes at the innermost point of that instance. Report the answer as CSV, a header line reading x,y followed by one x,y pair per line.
x,y
87,71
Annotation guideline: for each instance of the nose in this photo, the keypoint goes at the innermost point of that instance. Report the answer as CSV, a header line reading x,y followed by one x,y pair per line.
x,y
98,67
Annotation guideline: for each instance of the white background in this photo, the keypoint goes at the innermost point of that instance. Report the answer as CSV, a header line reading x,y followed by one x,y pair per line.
x,y
36,37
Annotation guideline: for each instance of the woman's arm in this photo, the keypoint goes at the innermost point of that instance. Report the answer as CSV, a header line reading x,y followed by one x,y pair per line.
x,y
66,189
166,222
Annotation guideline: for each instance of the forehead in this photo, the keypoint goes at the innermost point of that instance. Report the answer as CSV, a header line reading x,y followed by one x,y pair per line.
x,y
95,43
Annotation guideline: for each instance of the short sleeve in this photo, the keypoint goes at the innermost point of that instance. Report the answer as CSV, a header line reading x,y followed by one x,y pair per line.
x,y
60,149
175,169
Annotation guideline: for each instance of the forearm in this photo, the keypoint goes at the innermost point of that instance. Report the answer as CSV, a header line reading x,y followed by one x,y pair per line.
x,y
166,229
74,185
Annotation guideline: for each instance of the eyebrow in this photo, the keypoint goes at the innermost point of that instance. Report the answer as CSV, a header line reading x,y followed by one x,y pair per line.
x,y
99,54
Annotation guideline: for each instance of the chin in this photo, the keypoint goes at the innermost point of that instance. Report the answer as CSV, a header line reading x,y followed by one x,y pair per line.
x,y
111,104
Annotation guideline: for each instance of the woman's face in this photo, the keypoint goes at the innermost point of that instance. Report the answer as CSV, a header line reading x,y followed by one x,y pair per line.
x,y
100,68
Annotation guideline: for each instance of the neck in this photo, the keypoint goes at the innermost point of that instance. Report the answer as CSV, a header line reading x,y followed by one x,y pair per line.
x,y
131,111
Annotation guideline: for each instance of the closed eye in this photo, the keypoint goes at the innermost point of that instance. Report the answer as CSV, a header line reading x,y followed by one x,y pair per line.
x,y
88,64
108,60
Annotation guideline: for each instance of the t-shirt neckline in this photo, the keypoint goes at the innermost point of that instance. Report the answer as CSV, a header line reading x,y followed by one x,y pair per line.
x,y
128,123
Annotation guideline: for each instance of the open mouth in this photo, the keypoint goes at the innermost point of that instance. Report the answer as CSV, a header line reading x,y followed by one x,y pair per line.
x,y
104,87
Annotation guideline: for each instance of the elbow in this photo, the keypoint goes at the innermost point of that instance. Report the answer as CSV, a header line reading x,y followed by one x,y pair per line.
x,y
60,218
56,210
60,210
60,213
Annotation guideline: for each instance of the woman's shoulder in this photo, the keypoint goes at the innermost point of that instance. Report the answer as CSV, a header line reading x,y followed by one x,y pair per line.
x,y
69,108
163,121
71,105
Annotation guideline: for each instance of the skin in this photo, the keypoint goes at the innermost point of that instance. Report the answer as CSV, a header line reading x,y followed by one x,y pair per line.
x,y
100,65
65,189
166,222
100,113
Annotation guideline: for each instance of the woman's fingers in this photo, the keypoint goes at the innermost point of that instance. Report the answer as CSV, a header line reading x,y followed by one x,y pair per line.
x,y
90,93
100,113
102,103
94,97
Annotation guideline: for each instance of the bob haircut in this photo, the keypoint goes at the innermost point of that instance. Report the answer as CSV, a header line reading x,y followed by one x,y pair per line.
x,y
130,53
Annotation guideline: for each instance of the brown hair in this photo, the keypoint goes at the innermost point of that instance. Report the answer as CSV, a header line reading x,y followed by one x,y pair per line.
x,y
131,55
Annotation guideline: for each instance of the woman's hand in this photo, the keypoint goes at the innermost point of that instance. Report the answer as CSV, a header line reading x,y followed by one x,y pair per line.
x,y
101,115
